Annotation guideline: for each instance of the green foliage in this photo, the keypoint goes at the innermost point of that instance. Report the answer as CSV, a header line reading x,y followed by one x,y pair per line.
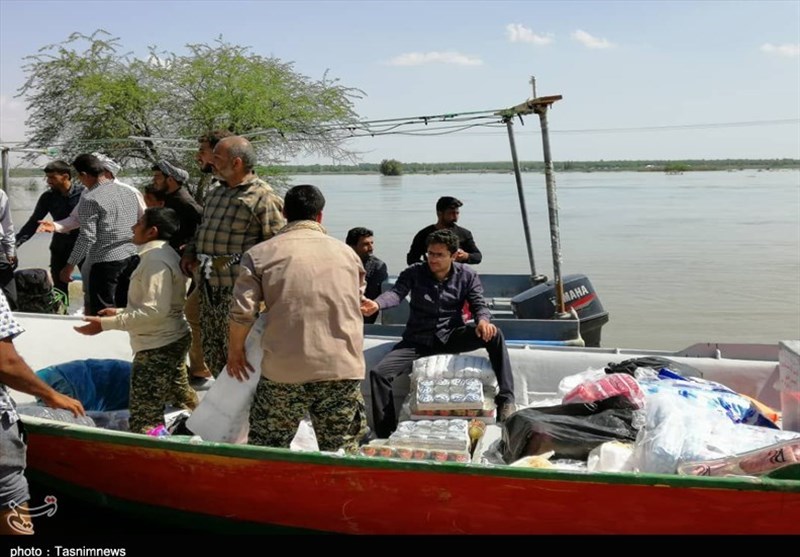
x,y
676,167
84,95
569,166
391,167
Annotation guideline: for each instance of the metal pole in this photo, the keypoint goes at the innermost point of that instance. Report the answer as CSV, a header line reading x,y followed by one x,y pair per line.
x,y
6,168
552,209
535,279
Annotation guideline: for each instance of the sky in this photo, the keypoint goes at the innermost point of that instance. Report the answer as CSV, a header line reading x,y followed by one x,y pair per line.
x,y
640,79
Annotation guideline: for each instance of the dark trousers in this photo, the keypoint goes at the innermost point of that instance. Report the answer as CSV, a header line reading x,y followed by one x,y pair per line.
x,y
60,250
398,362
108,284
8,283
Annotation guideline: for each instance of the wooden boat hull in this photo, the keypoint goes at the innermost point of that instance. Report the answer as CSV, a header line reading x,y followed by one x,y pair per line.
x,y
232,487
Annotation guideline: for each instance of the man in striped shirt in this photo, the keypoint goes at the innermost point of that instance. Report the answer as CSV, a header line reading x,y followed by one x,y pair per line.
x,y
240,213
107,214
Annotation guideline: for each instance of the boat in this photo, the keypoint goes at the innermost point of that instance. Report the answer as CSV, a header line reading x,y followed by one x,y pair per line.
x,y
240,488
553,330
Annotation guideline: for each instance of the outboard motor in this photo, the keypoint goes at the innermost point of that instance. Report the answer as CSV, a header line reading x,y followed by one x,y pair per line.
x,y
539,302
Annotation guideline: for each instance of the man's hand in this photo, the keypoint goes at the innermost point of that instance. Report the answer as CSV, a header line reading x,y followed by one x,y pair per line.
x,y
66,273
46,226
485,330
238,366
461,255
92,326
107,312
188,265
368,307
13,260
57,400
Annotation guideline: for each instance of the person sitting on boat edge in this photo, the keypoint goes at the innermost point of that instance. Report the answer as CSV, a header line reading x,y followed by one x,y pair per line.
x,y
363,243
160,335
439,288
313,340
447,211
15,373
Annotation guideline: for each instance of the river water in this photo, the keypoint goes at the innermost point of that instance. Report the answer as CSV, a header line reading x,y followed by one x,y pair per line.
x,y
675,259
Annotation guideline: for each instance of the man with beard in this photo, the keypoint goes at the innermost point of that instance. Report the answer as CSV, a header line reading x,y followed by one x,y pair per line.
x,y
238,214
170,180
447,211
59,200
362,241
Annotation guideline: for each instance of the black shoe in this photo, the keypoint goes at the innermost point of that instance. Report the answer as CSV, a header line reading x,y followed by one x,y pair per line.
x,y
505,410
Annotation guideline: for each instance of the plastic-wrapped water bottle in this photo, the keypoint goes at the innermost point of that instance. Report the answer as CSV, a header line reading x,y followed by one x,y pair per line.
x,y
56,414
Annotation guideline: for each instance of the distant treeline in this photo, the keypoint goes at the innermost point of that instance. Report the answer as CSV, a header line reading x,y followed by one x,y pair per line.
x,y
526,166
560,166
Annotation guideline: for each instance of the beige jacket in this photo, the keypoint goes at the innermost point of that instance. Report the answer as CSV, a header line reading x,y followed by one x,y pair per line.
x,y
154,314
311,285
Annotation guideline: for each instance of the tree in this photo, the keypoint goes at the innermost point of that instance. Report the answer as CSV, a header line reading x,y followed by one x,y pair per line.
x,y
83,95
391,167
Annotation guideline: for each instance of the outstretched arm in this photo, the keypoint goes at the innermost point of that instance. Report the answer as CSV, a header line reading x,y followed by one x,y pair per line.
x,y
15,373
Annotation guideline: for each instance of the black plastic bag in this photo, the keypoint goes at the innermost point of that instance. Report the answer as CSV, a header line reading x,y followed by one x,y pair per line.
x,y
570,430
655,362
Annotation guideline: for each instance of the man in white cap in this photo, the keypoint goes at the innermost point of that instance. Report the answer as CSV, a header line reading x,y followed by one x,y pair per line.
x,y
111,169
107,214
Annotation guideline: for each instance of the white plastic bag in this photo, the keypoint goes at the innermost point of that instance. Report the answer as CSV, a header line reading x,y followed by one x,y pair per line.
x,y
223,414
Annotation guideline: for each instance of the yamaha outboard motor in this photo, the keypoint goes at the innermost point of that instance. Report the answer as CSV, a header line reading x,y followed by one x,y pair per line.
x,y
539,302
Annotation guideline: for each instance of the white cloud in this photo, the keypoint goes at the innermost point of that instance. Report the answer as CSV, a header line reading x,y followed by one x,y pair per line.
x,y
589,41
789,50
518,33
448,57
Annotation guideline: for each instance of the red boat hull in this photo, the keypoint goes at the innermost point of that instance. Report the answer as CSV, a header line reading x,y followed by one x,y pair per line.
x,y
240,484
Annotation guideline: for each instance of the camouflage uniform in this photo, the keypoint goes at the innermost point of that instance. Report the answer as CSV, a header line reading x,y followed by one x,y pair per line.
x,y
336,407
158,378
214,306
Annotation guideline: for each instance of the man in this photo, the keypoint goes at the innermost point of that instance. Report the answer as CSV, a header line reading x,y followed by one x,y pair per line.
x,y
205,149
15,373
8,253
363,243
107,214
438,288
170,180
59,200
154,197
313,340
112,170
71,222
447,211
160,336
240,213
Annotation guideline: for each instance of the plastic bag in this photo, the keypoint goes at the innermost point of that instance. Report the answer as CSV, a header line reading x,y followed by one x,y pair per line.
x,y
117,420
223,414
612,384
678,431
570,431
56,414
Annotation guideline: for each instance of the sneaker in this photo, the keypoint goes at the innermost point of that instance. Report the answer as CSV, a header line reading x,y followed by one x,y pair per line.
x,y
505,410
201,383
